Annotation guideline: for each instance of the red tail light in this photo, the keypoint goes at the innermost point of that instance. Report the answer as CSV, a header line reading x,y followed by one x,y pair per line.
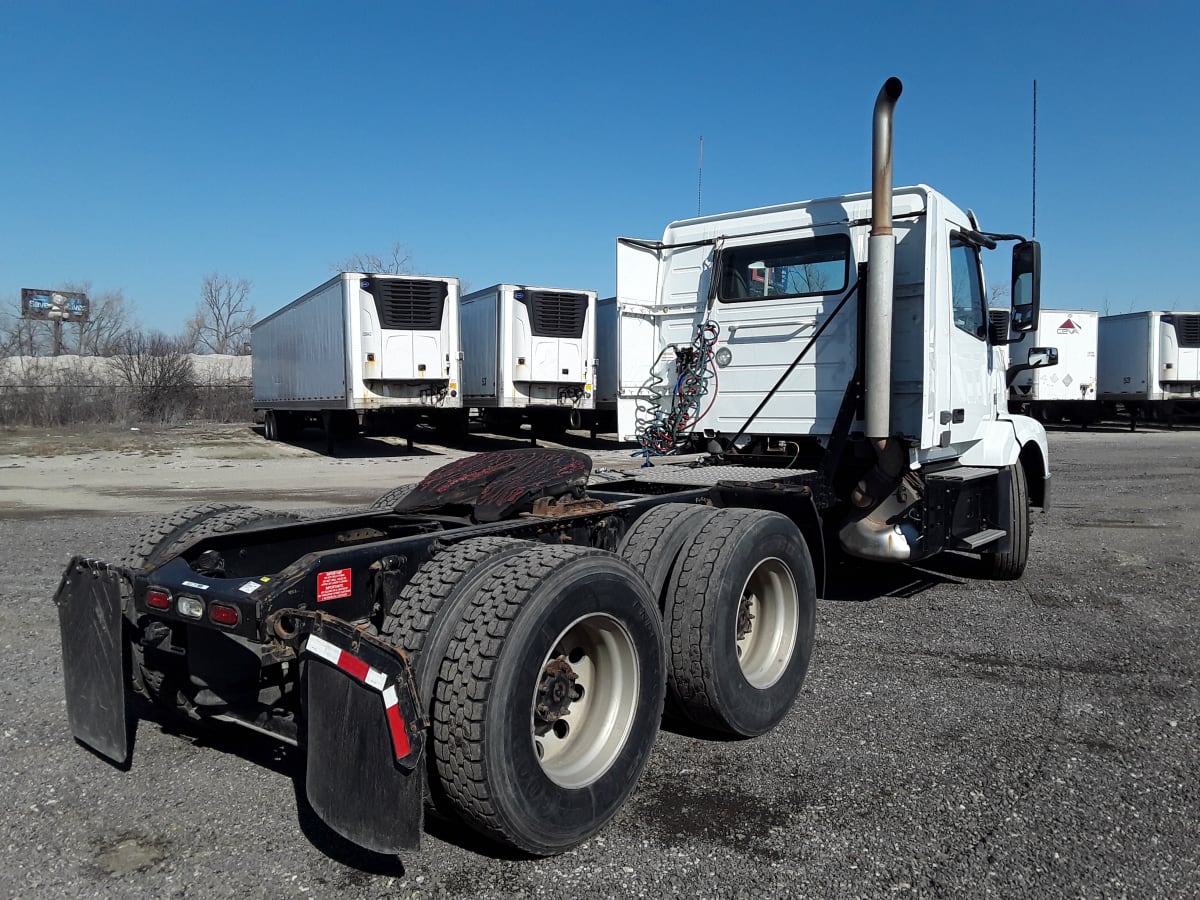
x,y
224,615
157,598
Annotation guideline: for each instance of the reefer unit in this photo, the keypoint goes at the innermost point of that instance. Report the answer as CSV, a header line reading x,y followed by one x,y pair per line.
x,y
530,350
1066,390
1150,358
376,345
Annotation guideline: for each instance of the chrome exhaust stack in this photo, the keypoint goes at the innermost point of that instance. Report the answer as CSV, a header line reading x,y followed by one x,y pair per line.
x,y
881,256
884,495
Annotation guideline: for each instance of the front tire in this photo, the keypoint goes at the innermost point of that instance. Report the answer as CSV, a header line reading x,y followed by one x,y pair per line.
x,y
550,698
1010,565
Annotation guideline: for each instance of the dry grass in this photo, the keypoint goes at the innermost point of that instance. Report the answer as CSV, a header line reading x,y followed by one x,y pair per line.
x,y
234,441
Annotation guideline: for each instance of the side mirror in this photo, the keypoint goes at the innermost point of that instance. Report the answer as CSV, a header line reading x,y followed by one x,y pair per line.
x,y
1038,358
1026,285
1041,357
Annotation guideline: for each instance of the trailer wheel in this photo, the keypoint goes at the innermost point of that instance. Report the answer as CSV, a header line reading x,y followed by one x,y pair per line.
x,y
270,425
1010,565
549,698
740,617
653,543
393,497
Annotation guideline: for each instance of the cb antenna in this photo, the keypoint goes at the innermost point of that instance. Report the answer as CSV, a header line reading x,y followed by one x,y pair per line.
x,y
1034,234
700,176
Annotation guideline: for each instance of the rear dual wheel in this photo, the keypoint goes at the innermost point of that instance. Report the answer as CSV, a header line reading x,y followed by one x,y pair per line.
x,y
738,598
548,698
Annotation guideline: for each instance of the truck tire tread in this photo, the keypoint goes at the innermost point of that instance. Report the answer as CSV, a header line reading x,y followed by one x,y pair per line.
x,y
704,680
467,686
652,545
151,545
1010,565
394,496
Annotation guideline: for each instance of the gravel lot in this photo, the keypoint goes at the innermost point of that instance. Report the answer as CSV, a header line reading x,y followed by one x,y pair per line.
x,y
954,737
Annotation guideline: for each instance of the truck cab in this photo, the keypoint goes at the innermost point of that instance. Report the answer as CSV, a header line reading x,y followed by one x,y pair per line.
x,y
779,296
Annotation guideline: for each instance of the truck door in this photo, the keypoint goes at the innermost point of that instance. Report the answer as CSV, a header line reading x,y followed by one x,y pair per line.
x,y
772,294
970,362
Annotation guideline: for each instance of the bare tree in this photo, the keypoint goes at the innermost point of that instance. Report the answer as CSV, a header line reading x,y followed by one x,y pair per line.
x,y
159,373
20,336
109,319
997,295
221,323
397,262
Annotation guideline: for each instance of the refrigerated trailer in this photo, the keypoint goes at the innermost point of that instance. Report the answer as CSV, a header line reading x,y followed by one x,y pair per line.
x,y
1066,391
529,355
367,349
1150,363
501,638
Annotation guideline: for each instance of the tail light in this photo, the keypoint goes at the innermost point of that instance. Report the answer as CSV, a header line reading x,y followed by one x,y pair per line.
x,y
224,615
157,598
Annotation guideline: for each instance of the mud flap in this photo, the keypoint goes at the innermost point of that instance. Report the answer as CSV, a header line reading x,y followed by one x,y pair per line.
x,y
93,649
364,736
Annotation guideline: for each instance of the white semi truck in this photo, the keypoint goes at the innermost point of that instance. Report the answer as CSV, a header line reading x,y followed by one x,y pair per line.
x,y
360,349
1150,363
1067,391
500,638
529,355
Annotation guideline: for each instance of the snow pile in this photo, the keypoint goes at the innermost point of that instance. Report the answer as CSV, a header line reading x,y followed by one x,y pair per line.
x,y
209,368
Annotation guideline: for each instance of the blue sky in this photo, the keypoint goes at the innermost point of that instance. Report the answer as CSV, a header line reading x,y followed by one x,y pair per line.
x,y
147,144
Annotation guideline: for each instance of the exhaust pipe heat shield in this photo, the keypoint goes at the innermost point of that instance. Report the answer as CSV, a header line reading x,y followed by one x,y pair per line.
x,y
880,534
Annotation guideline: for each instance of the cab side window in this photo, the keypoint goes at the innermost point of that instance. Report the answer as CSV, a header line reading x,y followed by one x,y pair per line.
x,y
966,285
799,268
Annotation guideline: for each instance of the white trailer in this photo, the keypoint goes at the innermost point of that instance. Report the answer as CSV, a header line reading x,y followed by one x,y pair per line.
x,y
529,354
1150,363
1066,391
382,349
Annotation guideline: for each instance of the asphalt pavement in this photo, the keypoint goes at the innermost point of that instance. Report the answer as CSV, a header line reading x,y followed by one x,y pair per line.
x,y
954,738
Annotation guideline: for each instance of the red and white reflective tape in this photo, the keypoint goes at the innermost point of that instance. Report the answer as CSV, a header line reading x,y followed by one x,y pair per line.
x,y
391,705
373,678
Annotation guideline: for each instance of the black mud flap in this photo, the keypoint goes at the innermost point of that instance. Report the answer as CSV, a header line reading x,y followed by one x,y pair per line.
x,y
364,736
93,649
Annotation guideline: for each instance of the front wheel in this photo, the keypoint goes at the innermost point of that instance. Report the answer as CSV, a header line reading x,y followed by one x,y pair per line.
x,y
549,698
1009,565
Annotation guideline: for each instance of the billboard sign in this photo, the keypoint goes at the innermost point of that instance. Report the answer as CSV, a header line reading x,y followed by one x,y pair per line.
x,y
63,306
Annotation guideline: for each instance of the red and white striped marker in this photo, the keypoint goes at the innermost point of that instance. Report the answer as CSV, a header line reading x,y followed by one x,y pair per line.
x,y
372,678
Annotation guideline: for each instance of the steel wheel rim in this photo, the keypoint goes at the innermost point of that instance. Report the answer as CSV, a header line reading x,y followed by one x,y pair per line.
x,y
772,600
580,746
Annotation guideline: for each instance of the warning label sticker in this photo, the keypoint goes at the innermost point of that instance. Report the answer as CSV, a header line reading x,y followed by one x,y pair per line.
x,y
333,585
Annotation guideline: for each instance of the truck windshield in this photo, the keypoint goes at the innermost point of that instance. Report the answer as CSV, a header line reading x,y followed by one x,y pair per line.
x,y
798,268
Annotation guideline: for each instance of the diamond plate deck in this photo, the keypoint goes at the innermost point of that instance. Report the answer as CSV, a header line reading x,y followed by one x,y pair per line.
x,y
708,475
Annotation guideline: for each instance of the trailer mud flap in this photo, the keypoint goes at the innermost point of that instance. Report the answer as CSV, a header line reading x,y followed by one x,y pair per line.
x,y
93,650
364,736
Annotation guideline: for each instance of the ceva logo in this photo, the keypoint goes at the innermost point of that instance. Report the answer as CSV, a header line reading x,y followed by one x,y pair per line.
x,y
1068,327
